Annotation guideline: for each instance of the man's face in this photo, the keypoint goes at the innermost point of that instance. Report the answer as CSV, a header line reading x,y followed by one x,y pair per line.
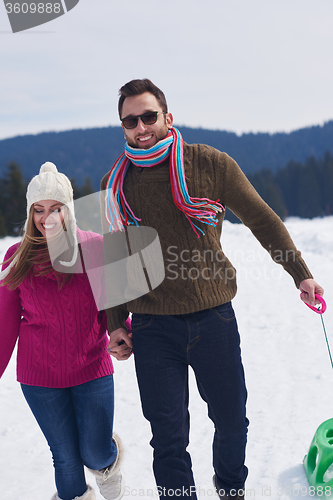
x,y
145,136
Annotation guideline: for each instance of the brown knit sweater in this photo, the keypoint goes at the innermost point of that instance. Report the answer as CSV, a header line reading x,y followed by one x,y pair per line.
x,y
197,274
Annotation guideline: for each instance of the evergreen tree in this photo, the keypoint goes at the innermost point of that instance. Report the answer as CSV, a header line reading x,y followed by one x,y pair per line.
x,y
287,180
297,189
76,189
327,184
3,229
265,183
13,200
86,188
310,202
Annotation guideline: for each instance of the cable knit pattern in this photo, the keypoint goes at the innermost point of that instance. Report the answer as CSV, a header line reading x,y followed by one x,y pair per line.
x,y
198,275
61,335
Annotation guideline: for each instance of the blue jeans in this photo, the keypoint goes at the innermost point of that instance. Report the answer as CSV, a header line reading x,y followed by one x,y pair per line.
x,y
164,347
77,423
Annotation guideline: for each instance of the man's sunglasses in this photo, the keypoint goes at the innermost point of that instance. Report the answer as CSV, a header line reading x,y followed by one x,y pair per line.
x,y
148,118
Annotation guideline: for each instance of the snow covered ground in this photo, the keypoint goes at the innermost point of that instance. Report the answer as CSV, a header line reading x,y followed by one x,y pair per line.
x,y
288,372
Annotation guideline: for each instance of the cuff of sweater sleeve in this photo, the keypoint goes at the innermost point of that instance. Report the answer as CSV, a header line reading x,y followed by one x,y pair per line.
x,y
299,271
116,318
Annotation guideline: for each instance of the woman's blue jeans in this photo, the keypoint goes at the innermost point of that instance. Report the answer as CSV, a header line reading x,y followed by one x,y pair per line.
x,y
164,347
77,423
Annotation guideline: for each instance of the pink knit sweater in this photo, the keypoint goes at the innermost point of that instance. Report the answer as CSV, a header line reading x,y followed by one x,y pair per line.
x,y
61,335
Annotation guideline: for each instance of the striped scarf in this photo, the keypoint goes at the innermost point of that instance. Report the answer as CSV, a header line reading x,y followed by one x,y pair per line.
x,y
117,211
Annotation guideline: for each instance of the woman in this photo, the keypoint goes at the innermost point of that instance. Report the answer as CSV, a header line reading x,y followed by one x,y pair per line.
x,y
65,371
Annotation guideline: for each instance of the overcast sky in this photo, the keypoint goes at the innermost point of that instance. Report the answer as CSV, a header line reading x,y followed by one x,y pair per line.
x,y
237,65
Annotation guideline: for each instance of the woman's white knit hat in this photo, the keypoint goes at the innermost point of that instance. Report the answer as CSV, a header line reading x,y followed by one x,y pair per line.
x,y
50,184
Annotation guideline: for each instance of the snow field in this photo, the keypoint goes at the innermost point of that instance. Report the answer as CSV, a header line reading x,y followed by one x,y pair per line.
x,y
288,374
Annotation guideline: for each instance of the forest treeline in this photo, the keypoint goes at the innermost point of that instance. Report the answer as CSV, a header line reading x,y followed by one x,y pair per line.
x,y
91,152
298,189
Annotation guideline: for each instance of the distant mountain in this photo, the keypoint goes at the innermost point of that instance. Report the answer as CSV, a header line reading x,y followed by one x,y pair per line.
x,y
90,152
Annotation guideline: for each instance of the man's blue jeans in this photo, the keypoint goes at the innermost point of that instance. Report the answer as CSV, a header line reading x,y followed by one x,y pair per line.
x,y
77,423
164,347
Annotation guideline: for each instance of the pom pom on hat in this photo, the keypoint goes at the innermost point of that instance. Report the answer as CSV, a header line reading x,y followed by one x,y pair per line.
x,y
49,184
48,167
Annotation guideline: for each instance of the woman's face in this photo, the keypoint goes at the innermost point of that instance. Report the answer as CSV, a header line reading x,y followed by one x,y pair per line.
x,y
48,216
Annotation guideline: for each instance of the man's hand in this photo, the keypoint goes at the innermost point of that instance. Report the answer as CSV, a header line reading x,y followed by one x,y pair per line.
x,y
308,290
120,345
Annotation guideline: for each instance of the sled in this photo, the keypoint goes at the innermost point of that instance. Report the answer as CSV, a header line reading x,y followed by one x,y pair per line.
x,y
318,463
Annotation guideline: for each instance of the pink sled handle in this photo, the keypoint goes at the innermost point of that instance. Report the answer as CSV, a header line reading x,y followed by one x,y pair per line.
x,y
319,310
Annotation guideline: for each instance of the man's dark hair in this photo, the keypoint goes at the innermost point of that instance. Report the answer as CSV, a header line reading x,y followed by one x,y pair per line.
x,y
138,87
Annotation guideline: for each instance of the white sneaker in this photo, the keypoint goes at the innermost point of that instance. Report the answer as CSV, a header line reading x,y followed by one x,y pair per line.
x,y
88,495
110,480
111,484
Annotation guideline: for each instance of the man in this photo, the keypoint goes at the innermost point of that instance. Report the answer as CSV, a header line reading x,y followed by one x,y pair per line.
x,y
188,319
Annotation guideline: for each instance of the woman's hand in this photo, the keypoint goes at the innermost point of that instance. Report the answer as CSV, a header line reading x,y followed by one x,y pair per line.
x,y
120,345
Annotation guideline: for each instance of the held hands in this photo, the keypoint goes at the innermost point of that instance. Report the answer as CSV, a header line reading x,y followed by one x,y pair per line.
x,y
308,289
120,345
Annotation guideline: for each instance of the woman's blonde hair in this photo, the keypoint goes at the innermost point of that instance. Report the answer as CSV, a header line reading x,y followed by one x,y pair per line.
x,y
32,250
